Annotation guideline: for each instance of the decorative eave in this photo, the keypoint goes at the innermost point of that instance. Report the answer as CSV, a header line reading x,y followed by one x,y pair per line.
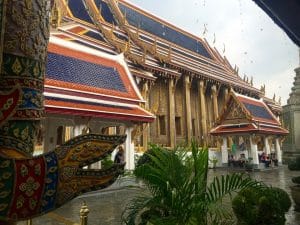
x,y
251,128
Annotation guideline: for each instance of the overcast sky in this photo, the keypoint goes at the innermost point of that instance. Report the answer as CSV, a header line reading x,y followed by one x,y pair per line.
x,y
252,40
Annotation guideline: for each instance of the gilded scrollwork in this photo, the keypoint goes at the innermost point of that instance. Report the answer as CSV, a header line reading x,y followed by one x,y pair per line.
x,y
26,28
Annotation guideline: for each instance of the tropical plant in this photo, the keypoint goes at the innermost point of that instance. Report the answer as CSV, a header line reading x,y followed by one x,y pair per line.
x,y
178,190
106,162
261,206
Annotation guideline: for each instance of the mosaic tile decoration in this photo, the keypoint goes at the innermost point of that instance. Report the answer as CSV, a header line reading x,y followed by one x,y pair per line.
x,y
68,69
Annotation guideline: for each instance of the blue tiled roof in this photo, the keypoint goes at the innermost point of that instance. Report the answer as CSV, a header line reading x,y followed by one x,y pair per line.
x,y
105,11
152,26
94,35
77,71
122,37
79,11
258,111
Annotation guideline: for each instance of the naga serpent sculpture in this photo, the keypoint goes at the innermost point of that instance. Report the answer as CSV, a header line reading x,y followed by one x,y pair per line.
x,y
31,186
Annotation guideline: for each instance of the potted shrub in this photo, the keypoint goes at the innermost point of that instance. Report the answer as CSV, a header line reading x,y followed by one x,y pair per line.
x,y
264,206
294,165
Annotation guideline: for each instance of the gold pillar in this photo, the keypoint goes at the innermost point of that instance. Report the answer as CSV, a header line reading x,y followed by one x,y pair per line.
x,y
201,88
172,129
187,93
225,95
215,102
146,130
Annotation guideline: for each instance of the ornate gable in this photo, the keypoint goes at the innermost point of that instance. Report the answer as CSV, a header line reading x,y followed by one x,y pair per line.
x,y
233,112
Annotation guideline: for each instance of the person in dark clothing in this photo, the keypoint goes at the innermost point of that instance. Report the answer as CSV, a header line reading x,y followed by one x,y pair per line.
x,y
119,157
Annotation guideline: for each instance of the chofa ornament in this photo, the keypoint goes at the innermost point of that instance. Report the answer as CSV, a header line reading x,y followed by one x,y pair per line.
x,y
31,186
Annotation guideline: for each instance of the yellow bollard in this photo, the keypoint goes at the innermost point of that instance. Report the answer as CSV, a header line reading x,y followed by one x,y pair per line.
x,y
84,211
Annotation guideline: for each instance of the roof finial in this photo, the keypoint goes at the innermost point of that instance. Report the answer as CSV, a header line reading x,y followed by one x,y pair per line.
x,y
263,89
205,30
214,41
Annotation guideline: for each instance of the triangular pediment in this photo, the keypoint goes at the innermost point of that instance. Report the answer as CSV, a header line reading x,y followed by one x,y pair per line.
x,y
233,112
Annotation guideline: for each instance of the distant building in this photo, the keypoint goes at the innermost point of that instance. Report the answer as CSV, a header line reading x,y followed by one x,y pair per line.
x,y
252,129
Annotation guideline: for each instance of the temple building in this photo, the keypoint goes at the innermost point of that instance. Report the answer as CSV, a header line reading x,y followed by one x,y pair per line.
x,y
183,81
89,91
291,119
251,126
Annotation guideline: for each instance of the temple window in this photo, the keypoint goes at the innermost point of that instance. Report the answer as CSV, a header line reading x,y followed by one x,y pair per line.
x,y
178,125
162,125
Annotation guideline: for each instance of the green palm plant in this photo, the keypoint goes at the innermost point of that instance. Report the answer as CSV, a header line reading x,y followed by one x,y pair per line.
x,y
178,190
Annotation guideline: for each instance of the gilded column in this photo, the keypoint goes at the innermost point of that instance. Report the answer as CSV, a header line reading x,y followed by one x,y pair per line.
x,y
187,93
215,102
24,34
201,88
225,95
172,129
146,130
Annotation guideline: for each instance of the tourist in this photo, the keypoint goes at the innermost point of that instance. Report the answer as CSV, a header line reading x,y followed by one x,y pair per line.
x,y
119,157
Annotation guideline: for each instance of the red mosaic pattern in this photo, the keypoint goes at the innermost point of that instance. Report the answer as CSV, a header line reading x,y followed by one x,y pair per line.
x,y
28,188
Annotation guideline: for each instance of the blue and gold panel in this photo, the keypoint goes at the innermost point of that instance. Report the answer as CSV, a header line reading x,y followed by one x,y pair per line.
x,y
94,35
258,111
51,180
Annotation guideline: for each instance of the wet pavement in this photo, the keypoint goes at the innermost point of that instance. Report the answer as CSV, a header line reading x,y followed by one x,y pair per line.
x,y
106,206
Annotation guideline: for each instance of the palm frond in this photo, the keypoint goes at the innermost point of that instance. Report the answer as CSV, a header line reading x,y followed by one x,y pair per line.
x,y
226,184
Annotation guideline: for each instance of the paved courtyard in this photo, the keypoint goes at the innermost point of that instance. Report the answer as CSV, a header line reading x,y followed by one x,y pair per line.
x,y
106,206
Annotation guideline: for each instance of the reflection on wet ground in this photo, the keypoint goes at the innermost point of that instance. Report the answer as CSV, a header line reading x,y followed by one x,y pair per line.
x,y
106,206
